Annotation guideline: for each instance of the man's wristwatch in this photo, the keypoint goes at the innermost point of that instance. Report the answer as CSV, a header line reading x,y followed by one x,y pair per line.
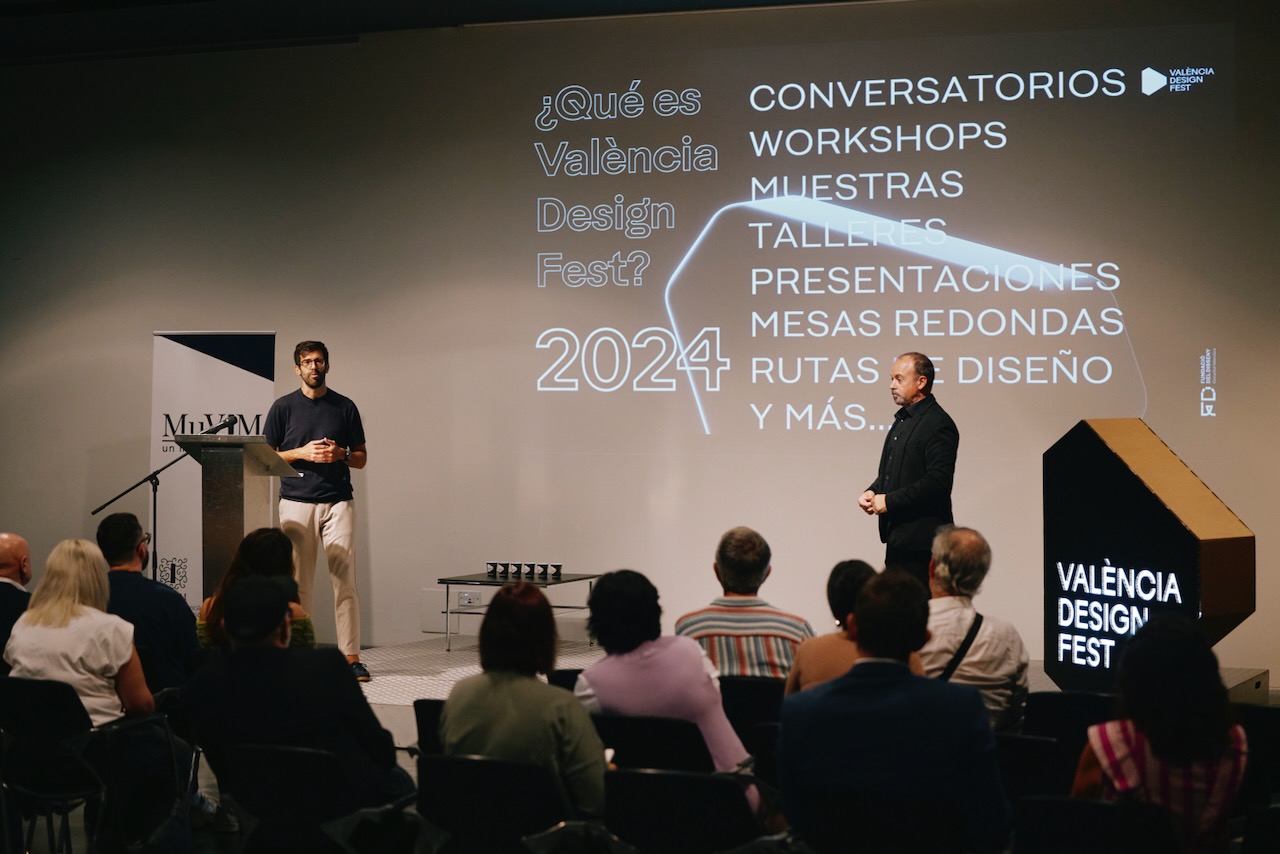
x,y
348,456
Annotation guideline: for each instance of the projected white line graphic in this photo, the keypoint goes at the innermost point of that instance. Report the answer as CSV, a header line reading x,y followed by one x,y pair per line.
x,y
877,231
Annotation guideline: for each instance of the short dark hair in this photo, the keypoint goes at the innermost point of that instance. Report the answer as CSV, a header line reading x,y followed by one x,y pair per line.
x,y
921,364
743,557
1171,688
843,586
961,559
518,632
624,611
305,347
118,536
892,615
255,607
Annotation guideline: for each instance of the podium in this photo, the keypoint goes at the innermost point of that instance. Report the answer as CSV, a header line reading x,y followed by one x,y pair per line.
x,y
235,493
1130,531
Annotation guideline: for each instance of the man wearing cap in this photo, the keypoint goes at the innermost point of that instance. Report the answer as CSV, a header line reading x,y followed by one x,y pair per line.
x,y
265,692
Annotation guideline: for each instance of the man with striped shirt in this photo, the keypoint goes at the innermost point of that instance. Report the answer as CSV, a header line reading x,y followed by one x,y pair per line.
x,y
742,634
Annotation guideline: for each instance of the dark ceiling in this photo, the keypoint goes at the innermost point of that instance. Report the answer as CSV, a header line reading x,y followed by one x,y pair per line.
x,y
56,30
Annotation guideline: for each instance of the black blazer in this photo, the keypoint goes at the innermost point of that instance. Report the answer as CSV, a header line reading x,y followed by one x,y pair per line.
x,y
13,602
917,487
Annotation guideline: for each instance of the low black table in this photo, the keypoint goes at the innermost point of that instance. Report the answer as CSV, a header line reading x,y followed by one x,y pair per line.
x,y
483,579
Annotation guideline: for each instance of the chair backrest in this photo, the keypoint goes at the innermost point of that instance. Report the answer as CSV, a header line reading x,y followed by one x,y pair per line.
x,y
640,741
41,709
290,791
427,713
839,821
1262,773
678,812
1262,830
149,776
566,678
486,804
44,730
750,701
1034,765
271,780
1067,715
1065,825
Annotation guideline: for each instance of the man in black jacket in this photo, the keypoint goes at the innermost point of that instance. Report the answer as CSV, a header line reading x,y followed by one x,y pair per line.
x,y
15,575
911,494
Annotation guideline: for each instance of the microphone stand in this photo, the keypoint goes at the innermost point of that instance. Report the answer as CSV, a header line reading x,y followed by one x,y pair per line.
x,y
154,479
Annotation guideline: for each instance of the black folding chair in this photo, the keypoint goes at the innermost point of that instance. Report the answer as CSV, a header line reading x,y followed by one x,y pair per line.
x,y
427,714
1034,765
45,731
839,821
750,701
640,741
289,792
678,812
1065,825
149,775
1067,716
1262,773
567,678
488,805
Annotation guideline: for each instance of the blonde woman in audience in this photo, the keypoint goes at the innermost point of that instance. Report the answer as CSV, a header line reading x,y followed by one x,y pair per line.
x,y
67,636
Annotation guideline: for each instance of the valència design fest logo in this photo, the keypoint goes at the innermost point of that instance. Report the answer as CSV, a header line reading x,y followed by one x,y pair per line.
x,y
1174,79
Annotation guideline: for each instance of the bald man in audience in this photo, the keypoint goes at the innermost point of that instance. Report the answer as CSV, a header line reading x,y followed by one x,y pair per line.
x,y
996,661
15,575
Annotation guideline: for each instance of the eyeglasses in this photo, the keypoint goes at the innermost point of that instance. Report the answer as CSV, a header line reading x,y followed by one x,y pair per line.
x,y
146,538
312,363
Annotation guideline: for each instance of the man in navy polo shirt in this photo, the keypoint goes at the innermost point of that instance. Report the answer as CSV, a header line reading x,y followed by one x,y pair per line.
x,y
319,433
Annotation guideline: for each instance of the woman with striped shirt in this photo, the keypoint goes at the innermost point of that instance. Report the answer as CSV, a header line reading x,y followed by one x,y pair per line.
x,y
1175,745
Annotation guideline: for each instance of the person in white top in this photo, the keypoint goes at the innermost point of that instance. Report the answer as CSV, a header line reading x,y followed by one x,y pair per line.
x,y
996,662
66,635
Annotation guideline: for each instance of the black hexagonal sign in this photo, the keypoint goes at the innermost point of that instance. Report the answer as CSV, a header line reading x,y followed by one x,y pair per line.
x,y
1130,531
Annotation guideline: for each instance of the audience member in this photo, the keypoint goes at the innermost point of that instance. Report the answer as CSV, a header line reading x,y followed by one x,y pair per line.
x,y
15,575
995,661
164,629
742,634
880,728
1174,744
508,713
265,551
262,691
643,673
66,635
823,658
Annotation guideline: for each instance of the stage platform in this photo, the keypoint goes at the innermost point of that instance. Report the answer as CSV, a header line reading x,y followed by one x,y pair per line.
x,y
404,673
